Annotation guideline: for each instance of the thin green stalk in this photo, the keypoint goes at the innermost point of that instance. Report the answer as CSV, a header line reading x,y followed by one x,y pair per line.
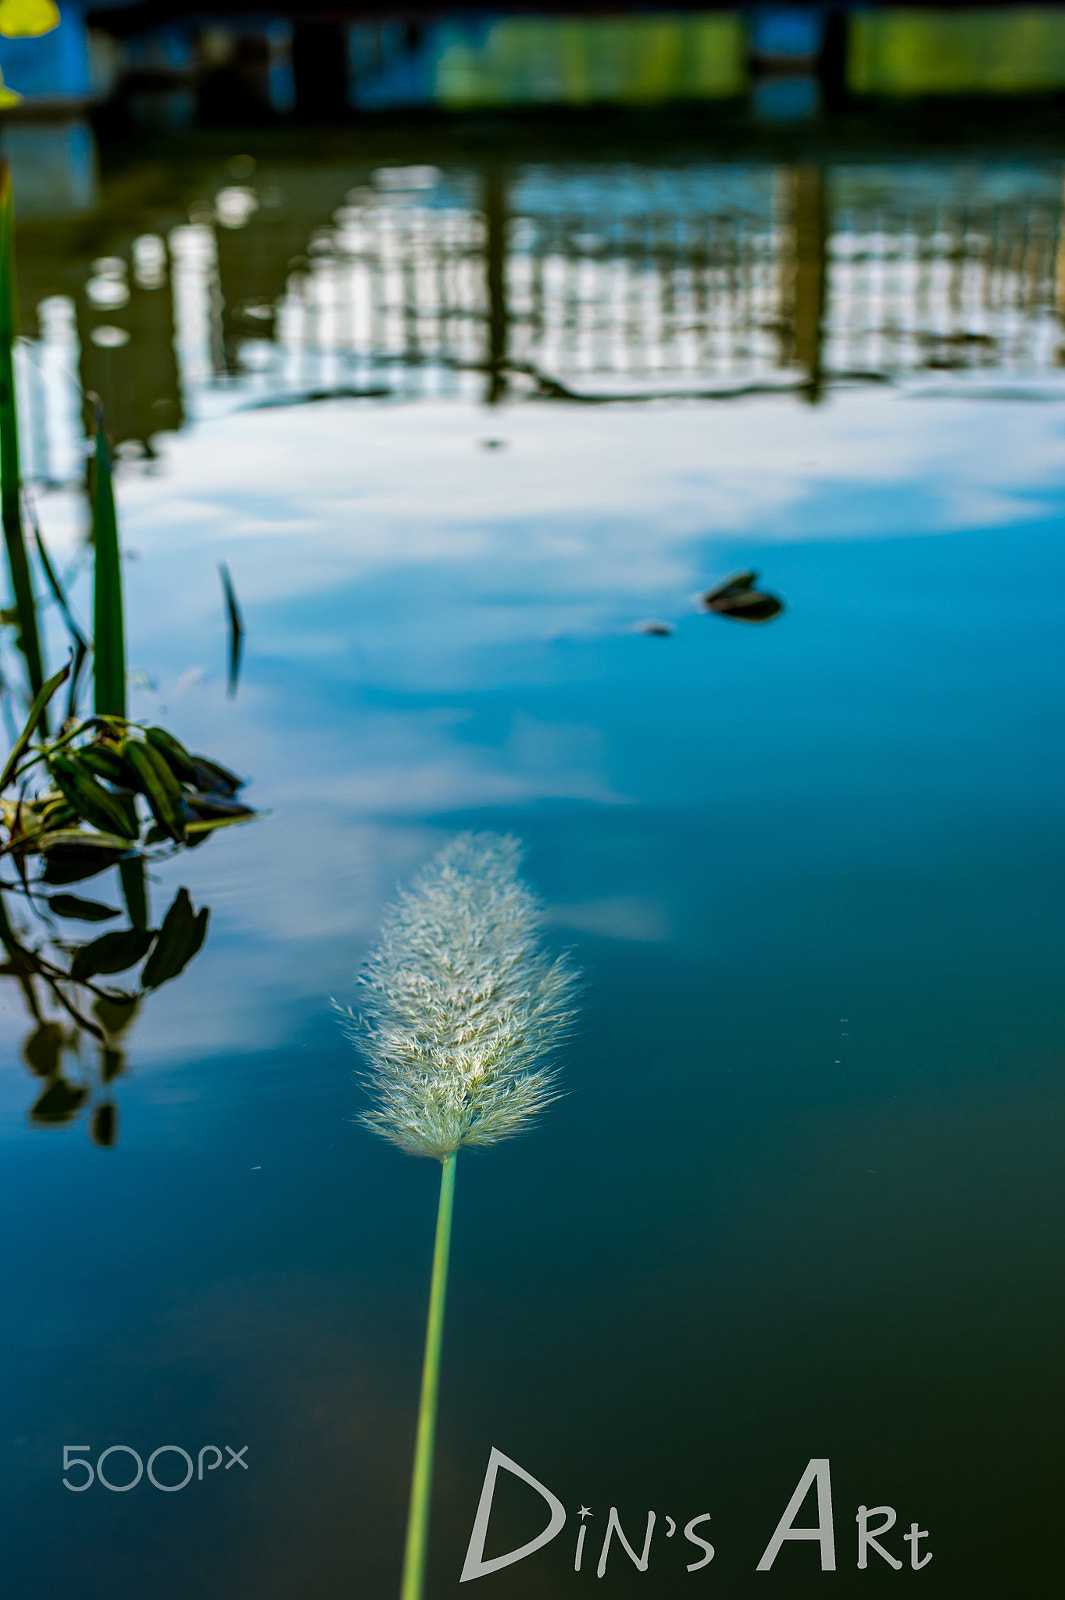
x,y
108,625
421,1484
10,470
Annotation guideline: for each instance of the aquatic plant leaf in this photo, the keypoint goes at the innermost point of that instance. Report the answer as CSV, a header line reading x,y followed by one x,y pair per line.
x,y
78,838
216,805
134,890
97,805
81,644
196,832
115,1012
19,747
738,598
27,19
753,607
42,1049
108,626
112,1063
60,1102
66,863
741,583
159,785
213,779
105,1125
174,753
10,468
70,905
112,952
181,935
104,761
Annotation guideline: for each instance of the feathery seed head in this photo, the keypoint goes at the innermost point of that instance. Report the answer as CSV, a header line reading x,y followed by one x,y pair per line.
x,y
462,1008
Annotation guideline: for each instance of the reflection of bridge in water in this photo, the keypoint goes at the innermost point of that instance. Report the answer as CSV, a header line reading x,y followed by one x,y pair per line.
x,y
609,282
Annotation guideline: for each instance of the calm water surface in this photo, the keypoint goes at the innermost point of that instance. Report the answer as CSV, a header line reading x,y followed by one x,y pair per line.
x,y
801,1199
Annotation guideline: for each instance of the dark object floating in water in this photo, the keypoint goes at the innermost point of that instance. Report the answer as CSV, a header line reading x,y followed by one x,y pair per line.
x,y
657,630
738,598
236,628
493,444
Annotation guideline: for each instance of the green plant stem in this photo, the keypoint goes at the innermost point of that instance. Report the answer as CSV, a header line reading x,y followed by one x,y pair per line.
x,y
108,625
10,469
421,1484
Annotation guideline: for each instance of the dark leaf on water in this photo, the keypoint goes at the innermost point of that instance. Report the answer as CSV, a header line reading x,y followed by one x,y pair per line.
x,y
737,585
105,761
196,832
175,754
158,784
41,1051
115,1012
82,790
738,599
105,1125
59,1103
213,779
216,805
70,905
181,935
656,630
112,1064
72,863
112,952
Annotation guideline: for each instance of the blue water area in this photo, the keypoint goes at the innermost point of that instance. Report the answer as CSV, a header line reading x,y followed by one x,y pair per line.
x,y
800,1199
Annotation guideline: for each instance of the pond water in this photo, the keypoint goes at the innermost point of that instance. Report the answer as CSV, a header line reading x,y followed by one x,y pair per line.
x,y
458,425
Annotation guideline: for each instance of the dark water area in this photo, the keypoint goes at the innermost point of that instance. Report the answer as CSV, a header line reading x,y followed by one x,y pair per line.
x,y
461,417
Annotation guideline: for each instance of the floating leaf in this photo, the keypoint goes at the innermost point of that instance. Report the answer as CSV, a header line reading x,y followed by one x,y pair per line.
x,y
196,831
105,761
105,1125
181,935
174,753
69,905
90,799
112,952
159,786
112,1064
135,890
70,863
213,779
42,1050
59,1103
115,1012
216,805
738,598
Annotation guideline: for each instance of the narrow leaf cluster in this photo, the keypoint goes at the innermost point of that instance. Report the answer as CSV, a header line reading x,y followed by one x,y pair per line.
x,y
462,1006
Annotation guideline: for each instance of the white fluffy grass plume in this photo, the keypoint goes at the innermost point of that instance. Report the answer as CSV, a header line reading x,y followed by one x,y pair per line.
x,y
462,1008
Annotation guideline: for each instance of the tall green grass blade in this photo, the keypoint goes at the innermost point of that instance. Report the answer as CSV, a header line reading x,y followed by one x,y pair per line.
x,y
416,1549
10,471
108,625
